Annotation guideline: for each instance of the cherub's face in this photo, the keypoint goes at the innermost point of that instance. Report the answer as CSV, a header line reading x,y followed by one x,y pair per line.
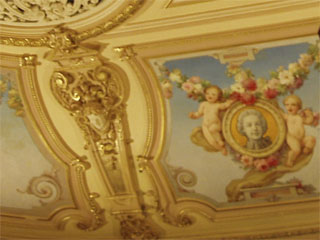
x,y
212,95
292,106
252,127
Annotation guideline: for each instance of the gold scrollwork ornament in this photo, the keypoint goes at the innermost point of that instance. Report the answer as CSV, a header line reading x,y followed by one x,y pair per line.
x,y
91,89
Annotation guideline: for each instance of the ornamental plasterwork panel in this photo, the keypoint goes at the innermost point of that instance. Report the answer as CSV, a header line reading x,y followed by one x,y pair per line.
x,y
40,11
94,91
88,17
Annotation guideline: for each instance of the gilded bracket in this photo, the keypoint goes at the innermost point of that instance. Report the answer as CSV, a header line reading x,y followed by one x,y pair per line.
x,y
90,89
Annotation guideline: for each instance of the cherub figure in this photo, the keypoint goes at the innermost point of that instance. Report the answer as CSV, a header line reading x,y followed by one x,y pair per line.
x,y
295,120
209,109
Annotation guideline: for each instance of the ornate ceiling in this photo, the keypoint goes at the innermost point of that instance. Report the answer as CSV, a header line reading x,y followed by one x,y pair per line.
x,y
99,137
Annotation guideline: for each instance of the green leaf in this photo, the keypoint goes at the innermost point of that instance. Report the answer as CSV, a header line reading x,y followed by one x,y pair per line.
x,y
274,74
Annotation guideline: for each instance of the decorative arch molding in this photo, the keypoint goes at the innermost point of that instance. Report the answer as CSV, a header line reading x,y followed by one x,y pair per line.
x,y
84,211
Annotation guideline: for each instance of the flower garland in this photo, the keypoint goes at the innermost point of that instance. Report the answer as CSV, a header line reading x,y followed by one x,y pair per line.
x,y
260,164
247,89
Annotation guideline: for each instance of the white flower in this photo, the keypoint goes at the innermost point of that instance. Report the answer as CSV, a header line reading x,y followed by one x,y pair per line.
x,y
305,60
286,78
174,77
261,84
167,85
293,68
241,76
198,88
237,87
273,83
167,89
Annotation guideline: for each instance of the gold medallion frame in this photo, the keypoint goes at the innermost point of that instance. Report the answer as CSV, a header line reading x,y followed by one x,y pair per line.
x,y
275,123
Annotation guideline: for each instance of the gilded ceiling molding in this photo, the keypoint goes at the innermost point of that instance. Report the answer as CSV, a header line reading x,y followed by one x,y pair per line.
x,y
94,91
146,160
43,41
85,211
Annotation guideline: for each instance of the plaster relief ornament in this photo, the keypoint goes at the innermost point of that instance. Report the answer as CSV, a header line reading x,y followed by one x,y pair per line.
x,y
31,11
246,122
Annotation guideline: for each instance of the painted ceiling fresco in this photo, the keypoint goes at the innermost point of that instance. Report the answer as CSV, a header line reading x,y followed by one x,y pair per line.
x,y
30,183
243,132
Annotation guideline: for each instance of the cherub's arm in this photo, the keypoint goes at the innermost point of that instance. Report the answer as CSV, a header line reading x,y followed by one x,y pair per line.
x,y
226,104
199,113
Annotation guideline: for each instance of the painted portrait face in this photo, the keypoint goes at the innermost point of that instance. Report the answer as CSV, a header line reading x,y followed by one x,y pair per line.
x,y
252,127
212,95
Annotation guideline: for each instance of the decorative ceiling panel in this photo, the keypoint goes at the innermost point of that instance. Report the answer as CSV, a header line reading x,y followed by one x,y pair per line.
x,y
43,182
232,163
40,186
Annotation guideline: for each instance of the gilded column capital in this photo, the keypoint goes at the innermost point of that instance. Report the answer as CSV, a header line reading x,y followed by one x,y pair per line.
x,y
28,60
125,53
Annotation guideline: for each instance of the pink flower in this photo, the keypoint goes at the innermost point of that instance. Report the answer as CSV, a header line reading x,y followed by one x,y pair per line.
x,y
270,93
246,160
194,79
248,98
272,161
261,165
249,84
167,93
298,82
187,86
